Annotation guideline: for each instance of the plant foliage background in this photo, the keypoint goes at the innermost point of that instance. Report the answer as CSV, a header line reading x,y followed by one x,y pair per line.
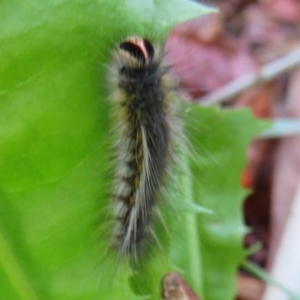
x,y
55,149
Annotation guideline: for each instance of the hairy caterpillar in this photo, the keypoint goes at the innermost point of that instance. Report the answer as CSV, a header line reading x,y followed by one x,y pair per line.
x,y
143,94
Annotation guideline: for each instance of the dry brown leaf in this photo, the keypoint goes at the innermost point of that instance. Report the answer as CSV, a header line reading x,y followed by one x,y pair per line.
x,y
175,288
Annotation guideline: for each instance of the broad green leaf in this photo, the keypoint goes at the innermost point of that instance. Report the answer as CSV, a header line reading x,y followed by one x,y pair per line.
x,y
166,13
55,147
219,139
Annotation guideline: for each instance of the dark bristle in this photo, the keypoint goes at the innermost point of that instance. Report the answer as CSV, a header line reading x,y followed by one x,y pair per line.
x,y
124,199
129,179
133,50
122,220
149,48
132,164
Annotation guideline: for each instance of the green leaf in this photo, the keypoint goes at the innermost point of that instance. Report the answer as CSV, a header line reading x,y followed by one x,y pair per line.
x,y
166,13
55,147
209,247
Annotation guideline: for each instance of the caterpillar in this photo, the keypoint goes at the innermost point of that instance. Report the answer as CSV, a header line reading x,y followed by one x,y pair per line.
x,y
143,93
